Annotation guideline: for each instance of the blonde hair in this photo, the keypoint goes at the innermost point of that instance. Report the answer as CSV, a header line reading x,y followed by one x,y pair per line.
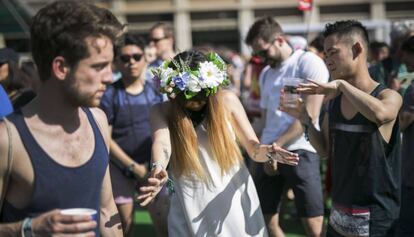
x,y
185,157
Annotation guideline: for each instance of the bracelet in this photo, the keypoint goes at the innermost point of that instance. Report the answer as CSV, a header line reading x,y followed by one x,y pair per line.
x,y
27,227
155,164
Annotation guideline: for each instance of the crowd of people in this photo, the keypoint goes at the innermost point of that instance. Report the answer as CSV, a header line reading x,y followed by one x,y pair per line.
x,y
206,139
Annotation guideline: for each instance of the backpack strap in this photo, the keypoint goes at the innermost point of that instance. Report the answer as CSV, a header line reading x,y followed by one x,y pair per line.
x,y
297,65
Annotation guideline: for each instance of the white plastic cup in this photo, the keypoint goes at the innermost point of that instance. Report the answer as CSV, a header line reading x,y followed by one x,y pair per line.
x,y
80,212
290,85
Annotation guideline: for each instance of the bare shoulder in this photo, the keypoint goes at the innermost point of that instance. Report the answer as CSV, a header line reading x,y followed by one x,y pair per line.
x,y
228,97
160,109
100,117
230,100
392,95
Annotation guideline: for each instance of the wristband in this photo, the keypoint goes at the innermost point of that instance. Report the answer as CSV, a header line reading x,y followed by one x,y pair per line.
x,y
27,227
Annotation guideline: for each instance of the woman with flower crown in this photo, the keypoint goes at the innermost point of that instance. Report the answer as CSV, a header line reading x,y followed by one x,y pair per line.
x,y
198,132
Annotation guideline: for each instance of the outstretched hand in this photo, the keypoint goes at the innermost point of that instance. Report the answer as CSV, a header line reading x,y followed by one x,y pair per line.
x,y
283,156
330,89
157,179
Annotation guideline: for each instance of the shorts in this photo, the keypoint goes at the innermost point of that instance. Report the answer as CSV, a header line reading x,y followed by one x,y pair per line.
x,y
123,188
304,179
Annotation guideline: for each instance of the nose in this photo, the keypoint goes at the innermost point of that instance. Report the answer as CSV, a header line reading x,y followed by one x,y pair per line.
x,y
107,75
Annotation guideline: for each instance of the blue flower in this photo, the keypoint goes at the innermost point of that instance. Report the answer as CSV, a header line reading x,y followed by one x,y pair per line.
x,y
181,80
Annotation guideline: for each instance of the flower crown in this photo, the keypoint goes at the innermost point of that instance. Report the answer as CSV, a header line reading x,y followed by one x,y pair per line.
x,y
208,76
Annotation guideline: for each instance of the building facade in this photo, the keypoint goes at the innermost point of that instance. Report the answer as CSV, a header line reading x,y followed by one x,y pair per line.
x,y
226,22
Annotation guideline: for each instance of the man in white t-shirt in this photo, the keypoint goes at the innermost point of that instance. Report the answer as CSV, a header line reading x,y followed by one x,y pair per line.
x,y
268,41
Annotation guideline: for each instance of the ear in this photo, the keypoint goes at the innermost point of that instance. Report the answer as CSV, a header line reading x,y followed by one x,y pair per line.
x,y
357,50
60,69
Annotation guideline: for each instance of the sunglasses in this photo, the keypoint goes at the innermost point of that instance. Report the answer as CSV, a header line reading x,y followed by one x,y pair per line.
x,y
127,58
156,40
263,53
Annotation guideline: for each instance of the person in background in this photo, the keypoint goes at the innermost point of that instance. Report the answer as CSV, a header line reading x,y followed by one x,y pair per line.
x,y
150,53
378,51
316,46
161,36
251,101
268,41
59,141
360,133
390,70
6,107
406,222
127,104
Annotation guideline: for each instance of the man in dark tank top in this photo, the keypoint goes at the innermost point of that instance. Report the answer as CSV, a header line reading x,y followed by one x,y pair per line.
x,y
59,142
360,133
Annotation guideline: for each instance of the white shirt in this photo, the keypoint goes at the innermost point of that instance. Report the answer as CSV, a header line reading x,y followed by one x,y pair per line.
x,y
300,64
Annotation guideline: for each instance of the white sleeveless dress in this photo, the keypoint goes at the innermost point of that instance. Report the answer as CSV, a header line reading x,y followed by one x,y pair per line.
x,y
227,206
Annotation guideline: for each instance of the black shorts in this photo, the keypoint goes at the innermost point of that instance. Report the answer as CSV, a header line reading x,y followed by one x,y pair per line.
x,y
304,179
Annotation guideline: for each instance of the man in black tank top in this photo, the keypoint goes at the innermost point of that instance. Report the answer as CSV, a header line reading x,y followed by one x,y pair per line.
x,y
59,145
360,133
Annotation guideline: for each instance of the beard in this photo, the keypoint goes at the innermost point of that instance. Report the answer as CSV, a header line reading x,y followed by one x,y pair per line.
x,y
76,97
273,63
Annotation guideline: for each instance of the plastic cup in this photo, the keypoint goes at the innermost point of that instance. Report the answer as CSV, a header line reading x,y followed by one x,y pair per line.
x,y
290,85
80,212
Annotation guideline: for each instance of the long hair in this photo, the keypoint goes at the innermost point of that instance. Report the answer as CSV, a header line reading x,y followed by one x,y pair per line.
x,y
185,160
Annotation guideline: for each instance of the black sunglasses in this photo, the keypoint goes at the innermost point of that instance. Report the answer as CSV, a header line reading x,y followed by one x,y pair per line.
x,y
263,53
156,40
127,58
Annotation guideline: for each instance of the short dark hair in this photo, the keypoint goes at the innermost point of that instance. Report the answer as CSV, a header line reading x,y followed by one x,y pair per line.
x,y
166,27
347,29
264,28
408,45
139,41
60,29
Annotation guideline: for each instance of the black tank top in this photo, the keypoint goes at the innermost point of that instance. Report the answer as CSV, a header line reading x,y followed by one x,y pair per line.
x,y
365,168
57,186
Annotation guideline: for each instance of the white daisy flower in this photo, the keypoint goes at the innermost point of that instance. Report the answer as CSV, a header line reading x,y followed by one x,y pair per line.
x,y
211,74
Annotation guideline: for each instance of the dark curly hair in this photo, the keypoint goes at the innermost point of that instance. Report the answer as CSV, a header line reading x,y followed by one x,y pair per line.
x,y
60,29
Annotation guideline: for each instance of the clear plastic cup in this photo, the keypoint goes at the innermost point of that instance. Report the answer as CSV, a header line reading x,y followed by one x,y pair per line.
x,y
290,85
80,211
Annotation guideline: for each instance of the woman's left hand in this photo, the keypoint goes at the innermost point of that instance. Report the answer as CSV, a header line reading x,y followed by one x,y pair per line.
x,y
283,156
155,182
